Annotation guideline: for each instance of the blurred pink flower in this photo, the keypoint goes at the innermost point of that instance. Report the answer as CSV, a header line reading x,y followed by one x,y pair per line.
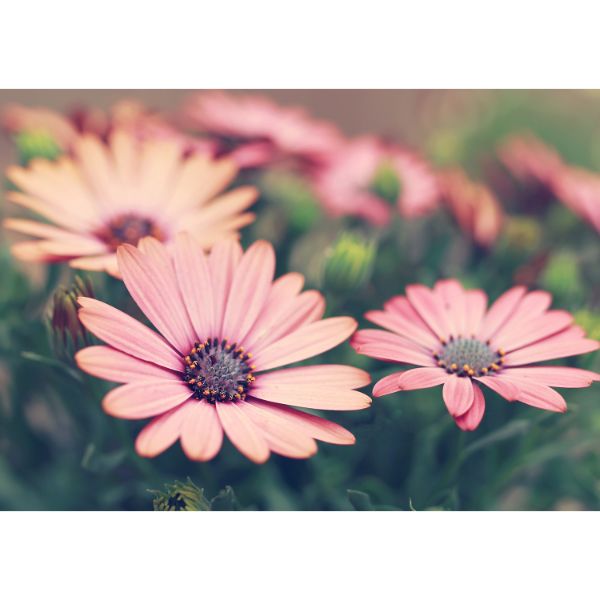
x,y
530,160
540,167
110,193
455,341
345,184
255,131
580,191
475,208
222,323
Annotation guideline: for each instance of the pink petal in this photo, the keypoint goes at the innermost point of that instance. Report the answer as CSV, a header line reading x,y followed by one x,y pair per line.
x,y
550,349
309,395
416,326
421,378
387,338
500,310
152,284
282,435
110,364
476,305
454,301
126,334
392,351
250,287
403,327
201,433
531,306
194,280
306,342
566,377
524,334
307,308
281,295
430,307
501,385
458,395
539,396
472,418
223,261
104,262
242,432
162,432
143,399
316,427
341,376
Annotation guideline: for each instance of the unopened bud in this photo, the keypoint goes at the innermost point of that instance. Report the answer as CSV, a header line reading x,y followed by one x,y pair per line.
x,y
180,496
562,275
589,321
522,234
386,184
67,334
349,262
36,144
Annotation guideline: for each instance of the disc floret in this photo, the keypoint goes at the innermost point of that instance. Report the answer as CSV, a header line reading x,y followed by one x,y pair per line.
x,y
218,371
468,357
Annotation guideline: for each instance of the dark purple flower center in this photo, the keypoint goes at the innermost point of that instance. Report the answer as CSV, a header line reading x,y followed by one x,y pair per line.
x,y
218,371
128,229
468,357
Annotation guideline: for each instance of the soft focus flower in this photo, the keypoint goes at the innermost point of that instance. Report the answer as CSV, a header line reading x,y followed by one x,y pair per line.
x,y
532,162
473,205
223,322
358,178
579,190
255,131
349,262
121,191
455,341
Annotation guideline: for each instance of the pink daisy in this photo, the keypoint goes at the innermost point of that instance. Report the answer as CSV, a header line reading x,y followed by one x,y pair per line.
x,y
455,341
255,131
224,329
473,205
118,192
345,183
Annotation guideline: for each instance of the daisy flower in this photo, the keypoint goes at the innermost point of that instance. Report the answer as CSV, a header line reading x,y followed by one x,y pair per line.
x,y
473,205
254,131
455,341
348,183
117,192
224,329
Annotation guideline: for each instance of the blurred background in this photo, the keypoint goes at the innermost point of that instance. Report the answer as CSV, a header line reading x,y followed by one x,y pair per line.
x,y
59,451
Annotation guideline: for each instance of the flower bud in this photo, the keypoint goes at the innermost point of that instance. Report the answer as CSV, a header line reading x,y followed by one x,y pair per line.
x,y
348,262
180,496
67,334
36,144
589,321
386,184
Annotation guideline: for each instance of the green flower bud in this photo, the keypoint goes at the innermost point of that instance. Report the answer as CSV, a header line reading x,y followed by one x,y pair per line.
x,y
180,496
348,262
562,276
67,334
36,144
386,183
